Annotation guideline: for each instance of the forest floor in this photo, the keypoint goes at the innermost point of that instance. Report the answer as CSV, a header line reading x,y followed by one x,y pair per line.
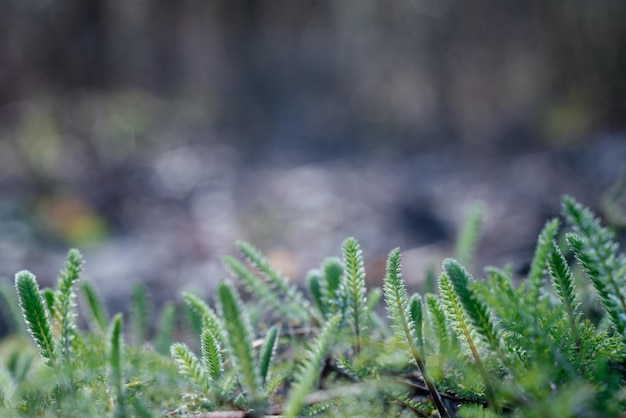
x,y
169,220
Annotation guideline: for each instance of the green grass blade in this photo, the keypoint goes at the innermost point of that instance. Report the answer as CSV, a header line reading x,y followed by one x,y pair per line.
x,y
36,315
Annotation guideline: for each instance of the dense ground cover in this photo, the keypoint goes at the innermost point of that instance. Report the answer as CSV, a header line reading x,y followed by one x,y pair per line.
x,y
551,344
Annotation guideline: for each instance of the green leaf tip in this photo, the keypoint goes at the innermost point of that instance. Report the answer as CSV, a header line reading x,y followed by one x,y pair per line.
x,y
467,239
211,354
97,310
540,259
115,353
596,249
36,315
469,315
189,365
308,373
402,322
238,338
354,289
267,352
563,281
64,304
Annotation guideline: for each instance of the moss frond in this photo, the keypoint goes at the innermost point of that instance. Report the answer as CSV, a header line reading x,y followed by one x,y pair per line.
x,y
441,345
417,318
140,313
265,292
166,326
332,270
7,387
267,352
115,354
598,246
354,289
210,320
399,313
540,259
291,294
12,307
211,354
467,239
477,312
65,307
36,315
188,365
458,317
238,338
313,281
324,286
308,373
563,282
99,317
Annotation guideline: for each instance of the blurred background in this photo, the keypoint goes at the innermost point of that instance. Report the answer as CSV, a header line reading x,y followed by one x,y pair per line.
x,y
154,134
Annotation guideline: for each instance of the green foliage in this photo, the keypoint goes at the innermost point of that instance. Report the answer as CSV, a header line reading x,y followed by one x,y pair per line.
x,y
308,372
354,289
11,308
115,353
99,317
267,352
468,236
324,286
189,365
415,308
402,321
238,338
538,264
272,286
64,305
140,309
166,326
208,318
36,315
498,346
595,248
563,282
211,354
